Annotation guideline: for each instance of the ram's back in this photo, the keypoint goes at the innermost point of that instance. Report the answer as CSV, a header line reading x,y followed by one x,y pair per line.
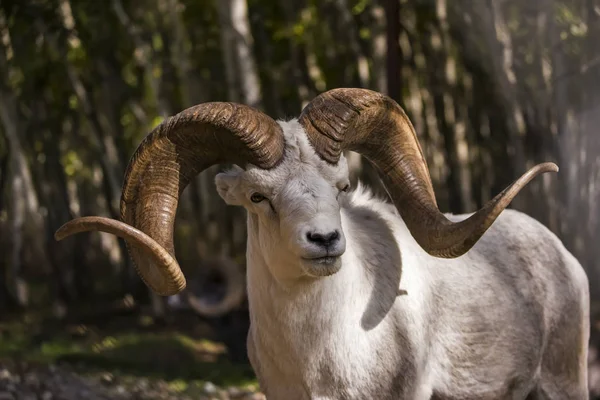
x,y
518,257
516,303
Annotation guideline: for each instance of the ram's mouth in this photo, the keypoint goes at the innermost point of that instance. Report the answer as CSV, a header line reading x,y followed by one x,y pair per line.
x,y
326,260
322,266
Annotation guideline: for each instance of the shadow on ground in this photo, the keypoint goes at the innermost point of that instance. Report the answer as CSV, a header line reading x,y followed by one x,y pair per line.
x,y
126,343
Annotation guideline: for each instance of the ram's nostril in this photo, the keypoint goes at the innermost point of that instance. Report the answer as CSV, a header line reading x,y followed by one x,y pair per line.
x,y
323,239
334,235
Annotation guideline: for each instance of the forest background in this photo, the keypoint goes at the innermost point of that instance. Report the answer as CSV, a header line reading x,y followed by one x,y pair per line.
x,y
491,86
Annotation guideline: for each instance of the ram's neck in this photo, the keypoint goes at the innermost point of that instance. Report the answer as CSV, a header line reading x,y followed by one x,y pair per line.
x,y
296,303
340,320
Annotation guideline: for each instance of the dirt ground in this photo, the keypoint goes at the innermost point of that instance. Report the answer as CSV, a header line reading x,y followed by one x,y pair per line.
x,y
52,382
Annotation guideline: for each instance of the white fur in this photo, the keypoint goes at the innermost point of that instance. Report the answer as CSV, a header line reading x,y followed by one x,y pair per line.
x,y
393,322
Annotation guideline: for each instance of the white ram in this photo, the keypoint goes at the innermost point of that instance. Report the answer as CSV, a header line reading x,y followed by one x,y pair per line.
x,y
352,297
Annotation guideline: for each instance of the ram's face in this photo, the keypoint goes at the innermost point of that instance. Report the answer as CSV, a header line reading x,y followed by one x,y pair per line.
x,y
295,207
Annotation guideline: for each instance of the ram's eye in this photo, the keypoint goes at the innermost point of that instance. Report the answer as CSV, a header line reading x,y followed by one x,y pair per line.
x,y
257,198
346,187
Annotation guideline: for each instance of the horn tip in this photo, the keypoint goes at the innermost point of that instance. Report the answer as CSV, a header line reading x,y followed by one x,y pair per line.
x,y
549,167
61,233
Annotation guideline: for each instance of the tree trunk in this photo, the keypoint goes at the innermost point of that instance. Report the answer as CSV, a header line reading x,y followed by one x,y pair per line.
x,y
590,168
242,75
379,78
392,14
192,90
294,71
24,206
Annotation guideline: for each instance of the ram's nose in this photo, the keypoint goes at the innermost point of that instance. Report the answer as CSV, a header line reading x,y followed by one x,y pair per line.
x,y
323,239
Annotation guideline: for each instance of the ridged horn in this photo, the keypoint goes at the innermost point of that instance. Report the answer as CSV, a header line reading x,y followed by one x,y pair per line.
x,y
375,126
162,166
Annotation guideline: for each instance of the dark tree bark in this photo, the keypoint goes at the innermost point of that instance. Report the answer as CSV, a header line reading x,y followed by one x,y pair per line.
x,y
392,14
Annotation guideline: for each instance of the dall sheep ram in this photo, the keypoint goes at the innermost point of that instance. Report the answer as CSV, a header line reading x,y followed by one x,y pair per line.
x,y
351,297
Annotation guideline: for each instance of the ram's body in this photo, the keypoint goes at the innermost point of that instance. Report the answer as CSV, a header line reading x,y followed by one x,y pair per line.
x,y
506,318
350,297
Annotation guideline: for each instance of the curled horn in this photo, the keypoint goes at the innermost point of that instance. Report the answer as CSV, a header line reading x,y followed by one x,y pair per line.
x,y
162,166
375,126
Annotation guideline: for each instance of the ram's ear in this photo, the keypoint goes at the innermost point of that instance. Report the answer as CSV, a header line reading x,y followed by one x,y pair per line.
x,y
229,186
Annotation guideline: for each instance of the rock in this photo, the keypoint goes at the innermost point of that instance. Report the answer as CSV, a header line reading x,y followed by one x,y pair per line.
x,y
107,378
5,374
31,380
209,388
6,396
142,383
257,396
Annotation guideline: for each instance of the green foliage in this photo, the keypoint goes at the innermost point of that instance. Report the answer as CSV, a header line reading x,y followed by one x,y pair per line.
x,y
72,163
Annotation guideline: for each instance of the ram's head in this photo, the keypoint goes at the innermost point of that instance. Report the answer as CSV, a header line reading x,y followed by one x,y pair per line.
x,y
292,186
